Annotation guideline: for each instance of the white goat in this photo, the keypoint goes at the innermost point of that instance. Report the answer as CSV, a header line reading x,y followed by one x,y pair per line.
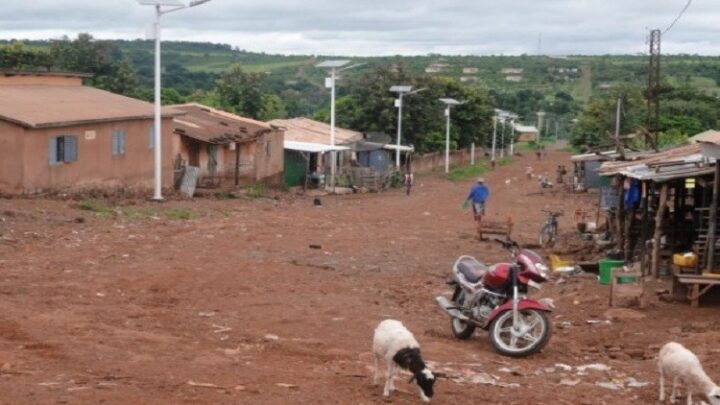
x,y
681,364
397,345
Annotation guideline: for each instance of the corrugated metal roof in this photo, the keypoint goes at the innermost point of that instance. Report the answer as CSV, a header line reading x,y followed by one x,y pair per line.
x,y
607,155
48,106
525,128
311,131
710,136
671,155
214,126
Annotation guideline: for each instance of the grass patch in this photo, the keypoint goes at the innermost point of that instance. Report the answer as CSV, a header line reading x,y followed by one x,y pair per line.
x,y
104,210
178,213
505,161
467,172
256,190
97,207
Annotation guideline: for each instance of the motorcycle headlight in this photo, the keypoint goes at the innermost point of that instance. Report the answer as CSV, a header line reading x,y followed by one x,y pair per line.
x,y
542,269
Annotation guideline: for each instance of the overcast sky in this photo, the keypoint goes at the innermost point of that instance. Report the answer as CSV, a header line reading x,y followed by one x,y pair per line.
x,y
387,27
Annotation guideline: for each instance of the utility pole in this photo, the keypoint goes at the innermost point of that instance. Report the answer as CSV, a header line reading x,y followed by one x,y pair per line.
x,y
653,92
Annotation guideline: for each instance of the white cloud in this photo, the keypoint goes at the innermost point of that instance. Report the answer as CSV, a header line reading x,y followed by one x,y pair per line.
x,y
374,27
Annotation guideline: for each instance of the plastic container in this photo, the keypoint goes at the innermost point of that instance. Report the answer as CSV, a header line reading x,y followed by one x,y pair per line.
x,y
684,260
606,266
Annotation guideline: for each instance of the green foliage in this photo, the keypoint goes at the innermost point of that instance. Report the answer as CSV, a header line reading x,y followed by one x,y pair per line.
x,y
596,124
97,207
240,92
256,190
467,172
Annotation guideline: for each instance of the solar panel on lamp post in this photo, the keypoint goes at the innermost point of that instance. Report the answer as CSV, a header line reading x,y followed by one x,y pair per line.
x,y
402,90
449,102
162,7
333,65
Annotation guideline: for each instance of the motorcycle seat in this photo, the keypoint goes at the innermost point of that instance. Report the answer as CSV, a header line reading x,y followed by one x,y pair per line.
x,y
473,271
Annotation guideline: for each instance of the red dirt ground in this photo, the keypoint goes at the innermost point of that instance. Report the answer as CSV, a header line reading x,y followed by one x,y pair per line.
x,y
233,306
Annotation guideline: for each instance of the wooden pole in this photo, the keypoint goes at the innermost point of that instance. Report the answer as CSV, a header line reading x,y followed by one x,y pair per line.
x,y
713,220
237,164
619,216
662,206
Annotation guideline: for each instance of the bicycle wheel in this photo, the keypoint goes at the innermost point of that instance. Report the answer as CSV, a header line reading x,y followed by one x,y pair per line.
x,y
547,237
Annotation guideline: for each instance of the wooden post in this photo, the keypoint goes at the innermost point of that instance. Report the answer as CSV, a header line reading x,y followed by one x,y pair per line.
x,y
237,164
658,230
710,260
644,226
619,214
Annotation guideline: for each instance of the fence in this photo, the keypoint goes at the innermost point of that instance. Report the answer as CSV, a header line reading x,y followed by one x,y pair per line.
x,y
436,160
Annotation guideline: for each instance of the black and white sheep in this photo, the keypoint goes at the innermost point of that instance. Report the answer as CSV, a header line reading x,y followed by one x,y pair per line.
x,y
397,345
681,364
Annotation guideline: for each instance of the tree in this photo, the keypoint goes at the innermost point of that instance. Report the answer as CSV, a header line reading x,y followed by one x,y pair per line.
x,y
240,92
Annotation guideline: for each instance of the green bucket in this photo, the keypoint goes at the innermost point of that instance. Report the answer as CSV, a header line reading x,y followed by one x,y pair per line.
x,y
605,267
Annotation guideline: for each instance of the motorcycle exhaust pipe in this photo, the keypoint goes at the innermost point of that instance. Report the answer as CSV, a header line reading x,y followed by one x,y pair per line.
x,y
450,309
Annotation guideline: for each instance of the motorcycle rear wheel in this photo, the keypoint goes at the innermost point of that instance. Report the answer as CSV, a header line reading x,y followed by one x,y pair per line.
x,y
536,336
461,330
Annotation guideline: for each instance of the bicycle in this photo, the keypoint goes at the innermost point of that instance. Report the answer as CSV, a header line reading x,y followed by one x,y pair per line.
x,y
549,230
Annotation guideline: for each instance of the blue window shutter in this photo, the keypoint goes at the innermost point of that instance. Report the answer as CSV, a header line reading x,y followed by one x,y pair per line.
x,y
151,137
52,151
115,143
121,134
71,151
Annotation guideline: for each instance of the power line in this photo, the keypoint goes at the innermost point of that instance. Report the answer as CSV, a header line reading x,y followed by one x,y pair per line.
x,y
687,6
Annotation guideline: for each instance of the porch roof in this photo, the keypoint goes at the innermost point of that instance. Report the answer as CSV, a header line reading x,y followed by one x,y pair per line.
x,y
207,124
312,147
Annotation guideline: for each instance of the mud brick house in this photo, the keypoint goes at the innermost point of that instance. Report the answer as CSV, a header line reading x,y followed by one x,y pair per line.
x,y
56,134
227,148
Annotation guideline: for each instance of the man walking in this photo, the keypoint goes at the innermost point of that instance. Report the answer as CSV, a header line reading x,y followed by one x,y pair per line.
x,y
479,194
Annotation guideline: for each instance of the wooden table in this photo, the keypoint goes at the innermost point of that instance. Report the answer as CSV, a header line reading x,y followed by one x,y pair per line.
x,y
697,284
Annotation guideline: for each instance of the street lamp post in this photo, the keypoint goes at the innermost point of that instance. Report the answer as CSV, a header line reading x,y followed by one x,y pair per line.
x,y
334,66
502,138
540,116
495,119
172,5
449,102
402,91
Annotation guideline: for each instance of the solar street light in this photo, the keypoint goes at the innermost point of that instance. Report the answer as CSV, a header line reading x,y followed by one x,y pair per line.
x,y
402,90
449,102
333,65
162,7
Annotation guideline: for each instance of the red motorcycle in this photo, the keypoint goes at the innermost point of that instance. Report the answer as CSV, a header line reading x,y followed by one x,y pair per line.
x,y
494,299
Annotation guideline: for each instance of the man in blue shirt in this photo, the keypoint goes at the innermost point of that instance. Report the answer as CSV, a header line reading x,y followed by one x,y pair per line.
x,y
479,194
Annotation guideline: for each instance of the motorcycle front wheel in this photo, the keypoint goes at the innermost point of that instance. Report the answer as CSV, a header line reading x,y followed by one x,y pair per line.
x,y
461,330
532,335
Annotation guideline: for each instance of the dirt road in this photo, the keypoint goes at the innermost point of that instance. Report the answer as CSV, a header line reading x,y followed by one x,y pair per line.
x,y
234,306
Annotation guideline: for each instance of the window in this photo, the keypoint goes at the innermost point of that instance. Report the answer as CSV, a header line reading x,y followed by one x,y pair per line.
x,y
118,142
62,149
267,149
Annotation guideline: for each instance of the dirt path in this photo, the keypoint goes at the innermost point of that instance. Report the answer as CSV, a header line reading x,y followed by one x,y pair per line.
x,y
234,306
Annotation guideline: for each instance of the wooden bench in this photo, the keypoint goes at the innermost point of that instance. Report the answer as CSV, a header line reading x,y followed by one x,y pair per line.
x,y
502,228
696,285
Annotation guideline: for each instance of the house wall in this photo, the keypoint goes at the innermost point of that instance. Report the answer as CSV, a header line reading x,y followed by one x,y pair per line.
x,y
95,165
269,158
11,162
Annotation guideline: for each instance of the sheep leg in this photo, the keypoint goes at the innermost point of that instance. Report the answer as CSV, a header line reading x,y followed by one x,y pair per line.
x,y
377,367
689,396
674,390
662,384
388,381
